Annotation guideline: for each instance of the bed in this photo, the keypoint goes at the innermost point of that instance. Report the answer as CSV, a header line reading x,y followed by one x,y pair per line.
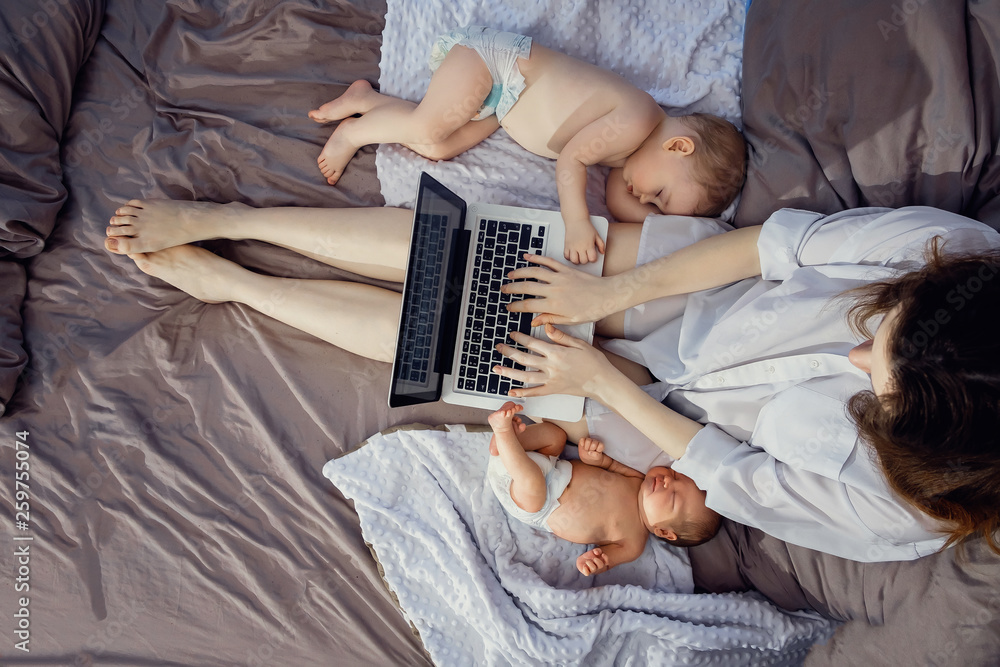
x,y
174,506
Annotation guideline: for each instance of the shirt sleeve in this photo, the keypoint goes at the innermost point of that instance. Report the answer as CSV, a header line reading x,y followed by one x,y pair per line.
x,y
748,485
894,238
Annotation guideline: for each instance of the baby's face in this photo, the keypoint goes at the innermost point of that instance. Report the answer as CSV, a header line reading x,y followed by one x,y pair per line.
x,y
663,178
669,499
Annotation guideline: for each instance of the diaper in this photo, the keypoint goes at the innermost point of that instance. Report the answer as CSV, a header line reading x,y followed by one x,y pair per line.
x,y
557,473
500,51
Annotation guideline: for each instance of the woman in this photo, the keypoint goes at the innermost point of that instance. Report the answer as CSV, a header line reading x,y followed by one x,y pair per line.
x,y
757,373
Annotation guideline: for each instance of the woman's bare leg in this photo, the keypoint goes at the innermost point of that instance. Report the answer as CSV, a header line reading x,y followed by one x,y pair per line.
x,y
369,241
358,318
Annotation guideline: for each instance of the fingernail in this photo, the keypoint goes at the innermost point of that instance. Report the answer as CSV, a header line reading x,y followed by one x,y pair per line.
x,y
112,244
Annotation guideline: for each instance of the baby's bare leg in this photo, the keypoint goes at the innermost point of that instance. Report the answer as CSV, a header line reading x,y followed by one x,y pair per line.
x,y
345,238
543,437
527,488
358,318
455,93
359,97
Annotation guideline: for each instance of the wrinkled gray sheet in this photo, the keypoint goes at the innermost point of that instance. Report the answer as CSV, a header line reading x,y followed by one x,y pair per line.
x,y
872,103
178,513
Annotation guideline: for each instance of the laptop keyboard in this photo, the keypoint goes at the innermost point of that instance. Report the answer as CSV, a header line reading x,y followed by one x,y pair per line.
x,y
499,248
420,315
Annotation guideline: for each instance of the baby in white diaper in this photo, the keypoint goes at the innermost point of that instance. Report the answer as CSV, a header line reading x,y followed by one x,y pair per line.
x,y
595,500
557,107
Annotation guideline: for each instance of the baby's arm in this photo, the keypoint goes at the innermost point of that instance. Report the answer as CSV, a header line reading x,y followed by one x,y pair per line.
x,y
605,556
623,206
613,136
592,453
582,240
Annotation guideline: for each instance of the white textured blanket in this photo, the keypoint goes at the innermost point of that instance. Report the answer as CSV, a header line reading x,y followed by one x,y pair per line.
x,y
688,55
483,589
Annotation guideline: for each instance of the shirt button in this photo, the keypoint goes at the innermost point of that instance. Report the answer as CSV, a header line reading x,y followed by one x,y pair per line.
x,y
770,369
722,380
815,364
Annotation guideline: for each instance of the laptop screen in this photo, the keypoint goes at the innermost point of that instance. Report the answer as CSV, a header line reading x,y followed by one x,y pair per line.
x,y
432,294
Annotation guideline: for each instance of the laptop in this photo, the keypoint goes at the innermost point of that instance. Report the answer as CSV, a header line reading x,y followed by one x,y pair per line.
x,y
453,313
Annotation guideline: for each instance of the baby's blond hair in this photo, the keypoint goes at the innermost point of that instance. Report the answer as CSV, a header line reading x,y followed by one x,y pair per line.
x,y
720,156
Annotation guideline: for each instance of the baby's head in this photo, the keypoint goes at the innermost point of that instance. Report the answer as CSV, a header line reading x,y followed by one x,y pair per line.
x,y
689,165
673,508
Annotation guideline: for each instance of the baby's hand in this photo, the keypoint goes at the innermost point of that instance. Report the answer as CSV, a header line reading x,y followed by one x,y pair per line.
x,y
592,562
583,243
503,420
591,451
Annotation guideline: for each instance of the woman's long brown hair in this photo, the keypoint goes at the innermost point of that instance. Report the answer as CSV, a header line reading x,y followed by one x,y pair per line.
x,y
936,428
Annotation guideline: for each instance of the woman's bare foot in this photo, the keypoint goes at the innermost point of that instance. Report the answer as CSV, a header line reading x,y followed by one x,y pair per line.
x,y
359,97
202,274
151,225
337,152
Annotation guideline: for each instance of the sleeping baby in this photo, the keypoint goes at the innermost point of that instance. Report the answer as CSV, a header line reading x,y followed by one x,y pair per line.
x,y
557,107
595,500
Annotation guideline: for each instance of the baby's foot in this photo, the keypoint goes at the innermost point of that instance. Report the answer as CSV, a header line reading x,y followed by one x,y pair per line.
x,y
337,152
503,420
150,225
356,99
202,274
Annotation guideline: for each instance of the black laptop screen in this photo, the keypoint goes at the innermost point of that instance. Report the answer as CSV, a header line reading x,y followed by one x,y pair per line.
x,y
432,294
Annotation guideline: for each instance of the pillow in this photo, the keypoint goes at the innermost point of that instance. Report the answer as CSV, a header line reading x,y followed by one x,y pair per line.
x,y
44,45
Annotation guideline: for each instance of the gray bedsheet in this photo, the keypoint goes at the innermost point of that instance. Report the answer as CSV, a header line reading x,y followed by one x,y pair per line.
x,y
872,103
177,509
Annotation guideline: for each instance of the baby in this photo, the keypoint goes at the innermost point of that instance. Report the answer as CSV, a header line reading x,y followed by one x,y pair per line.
x,y
595,500
557,107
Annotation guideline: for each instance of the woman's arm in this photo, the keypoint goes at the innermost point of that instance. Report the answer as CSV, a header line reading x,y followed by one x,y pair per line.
x,y
570,366
565,295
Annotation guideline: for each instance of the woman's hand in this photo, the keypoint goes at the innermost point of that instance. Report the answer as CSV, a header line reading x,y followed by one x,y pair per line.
x,y
567,365
562,294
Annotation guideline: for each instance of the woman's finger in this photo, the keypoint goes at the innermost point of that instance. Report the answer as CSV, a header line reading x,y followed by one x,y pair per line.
x,y
562,338
528,377
538,273
528,392
536,345
550,262
527,306
519,356
526,288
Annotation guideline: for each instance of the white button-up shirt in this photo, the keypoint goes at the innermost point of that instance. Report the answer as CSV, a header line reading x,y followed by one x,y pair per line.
x,y
764,364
